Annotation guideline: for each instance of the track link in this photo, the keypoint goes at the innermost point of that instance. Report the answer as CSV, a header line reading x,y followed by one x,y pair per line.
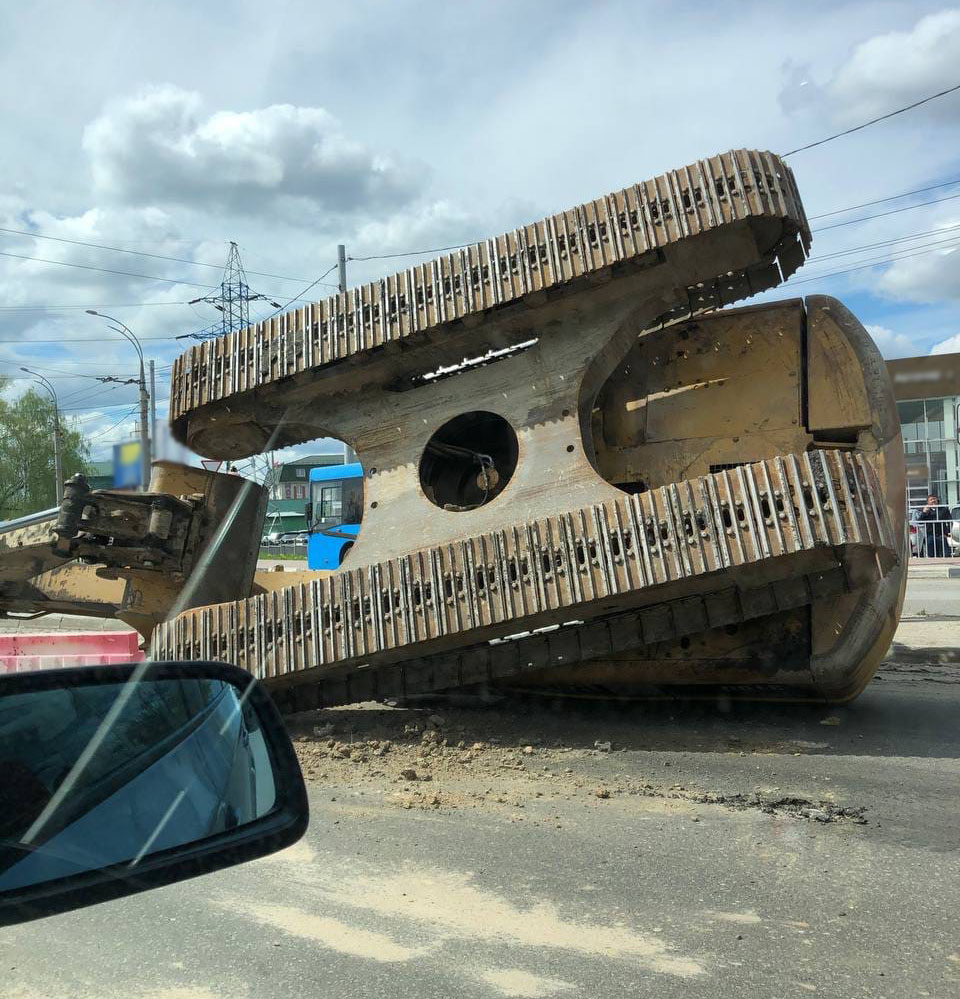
x,y
801,515
563,251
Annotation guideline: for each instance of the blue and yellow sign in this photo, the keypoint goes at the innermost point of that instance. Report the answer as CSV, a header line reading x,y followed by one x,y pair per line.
x,y
126,465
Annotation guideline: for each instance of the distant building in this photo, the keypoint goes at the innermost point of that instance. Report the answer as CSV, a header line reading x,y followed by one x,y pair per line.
x,y
289,490
291,481
927,390
100,474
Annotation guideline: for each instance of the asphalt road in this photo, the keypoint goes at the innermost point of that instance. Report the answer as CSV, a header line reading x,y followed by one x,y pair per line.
x,y
932,596
535,886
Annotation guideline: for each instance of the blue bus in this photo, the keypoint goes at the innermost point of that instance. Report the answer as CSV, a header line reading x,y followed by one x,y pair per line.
x,y
333,513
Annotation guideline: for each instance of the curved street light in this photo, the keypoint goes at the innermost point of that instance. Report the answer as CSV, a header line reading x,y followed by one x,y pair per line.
x,y
57,458
125,331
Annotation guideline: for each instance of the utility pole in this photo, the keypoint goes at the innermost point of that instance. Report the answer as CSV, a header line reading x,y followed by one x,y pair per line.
x,y
153,404
349,455
128,333
144,432
342,266
57,456
233,300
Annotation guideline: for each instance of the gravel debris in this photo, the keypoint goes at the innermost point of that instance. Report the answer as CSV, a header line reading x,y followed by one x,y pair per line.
x,y
510,757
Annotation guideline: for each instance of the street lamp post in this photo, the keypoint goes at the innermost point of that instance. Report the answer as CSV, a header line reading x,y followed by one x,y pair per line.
x,y
144,397
57,457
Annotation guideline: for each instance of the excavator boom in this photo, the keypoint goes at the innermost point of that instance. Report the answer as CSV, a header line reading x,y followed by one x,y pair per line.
x,y
191,540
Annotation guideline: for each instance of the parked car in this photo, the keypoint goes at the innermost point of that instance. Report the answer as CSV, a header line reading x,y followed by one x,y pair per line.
x,y
953,538
292,538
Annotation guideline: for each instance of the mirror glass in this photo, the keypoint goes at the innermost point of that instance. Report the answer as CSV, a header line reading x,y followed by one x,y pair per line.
x,y
107,773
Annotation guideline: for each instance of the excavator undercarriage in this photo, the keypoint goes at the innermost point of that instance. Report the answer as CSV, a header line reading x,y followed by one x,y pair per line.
x,y
579,475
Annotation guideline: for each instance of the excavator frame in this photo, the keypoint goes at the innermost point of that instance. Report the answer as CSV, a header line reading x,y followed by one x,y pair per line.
x,y
579,474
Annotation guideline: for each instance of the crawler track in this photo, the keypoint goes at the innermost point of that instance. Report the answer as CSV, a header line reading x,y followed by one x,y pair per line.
x,y
557,343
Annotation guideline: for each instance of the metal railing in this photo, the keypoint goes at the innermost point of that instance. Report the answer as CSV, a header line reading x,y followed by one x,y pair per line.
x,y
295,550
934,533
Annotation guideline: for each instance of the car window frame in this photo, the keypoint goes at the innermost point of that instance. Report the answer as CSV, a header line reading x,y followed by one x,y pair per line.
x,y
283,825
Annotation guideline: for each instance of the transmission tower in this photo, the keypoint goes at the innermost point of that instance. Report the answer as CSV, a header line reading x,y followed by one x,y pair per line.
x,y
233,300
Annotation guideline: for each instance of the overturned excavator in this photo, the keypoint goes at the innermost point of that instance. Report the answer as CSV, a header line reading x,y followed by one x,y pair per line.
x,y
579,474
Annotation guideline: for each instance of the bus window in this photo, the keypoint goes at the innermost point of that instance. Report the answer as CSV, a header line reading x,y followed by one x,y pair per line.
x,y
353,501
326,502
331,502
336,512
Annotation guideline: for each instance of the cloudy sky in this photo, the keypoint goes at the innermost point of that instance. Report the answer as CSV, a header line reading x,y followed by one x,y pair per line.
x,y
171,129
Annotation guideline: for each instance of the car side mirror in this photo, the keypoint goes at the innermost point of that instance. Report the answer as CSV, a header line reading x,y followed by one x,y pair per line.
x,y
116,779
308,514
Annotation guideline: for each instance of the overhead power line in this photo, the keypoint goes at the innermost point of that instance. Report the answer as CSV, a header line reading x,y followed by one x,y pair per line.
x,y
880,215
92,364
872,121
881,201
312,284
876,263
103,409
98,415
57,371
884,257
817,257
204,333
82,308
138,253
14,309
126,416
411,253
104,270
85,395
98,406
837,211
110,270
91,340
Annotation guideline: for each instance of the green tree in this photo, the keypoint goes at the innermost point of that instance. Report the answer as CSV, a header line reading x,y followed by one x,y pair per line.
x,y
27,479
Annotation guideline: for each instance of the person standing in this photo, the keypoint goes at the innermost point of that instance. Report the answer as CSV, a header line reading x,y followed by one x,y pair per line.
x,y
936,519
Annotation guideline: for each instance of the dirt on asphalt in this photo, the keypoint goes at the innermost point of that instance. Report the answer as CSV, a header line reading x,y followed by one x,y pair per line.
x,y
508,754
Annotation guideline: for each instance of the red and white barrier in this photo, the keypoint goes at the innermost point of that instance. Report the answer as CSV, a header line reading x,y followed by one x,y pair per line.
x,y
58,649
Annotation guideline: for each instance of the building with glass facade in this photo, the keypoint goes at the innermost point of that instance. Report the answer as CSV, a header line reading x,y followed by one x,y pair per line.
x,y
927,390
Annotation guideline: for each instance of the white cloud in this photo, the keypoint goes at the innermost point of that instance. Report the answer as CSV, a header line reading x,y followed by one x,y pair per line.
x,y
923,278
891,344
158,147
439,223
150,228
293,153
949,346
899,67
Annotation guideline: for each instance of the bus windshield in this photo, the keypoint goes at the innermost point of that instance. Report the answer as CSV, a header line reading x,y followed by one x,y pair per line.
x,y
335,513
